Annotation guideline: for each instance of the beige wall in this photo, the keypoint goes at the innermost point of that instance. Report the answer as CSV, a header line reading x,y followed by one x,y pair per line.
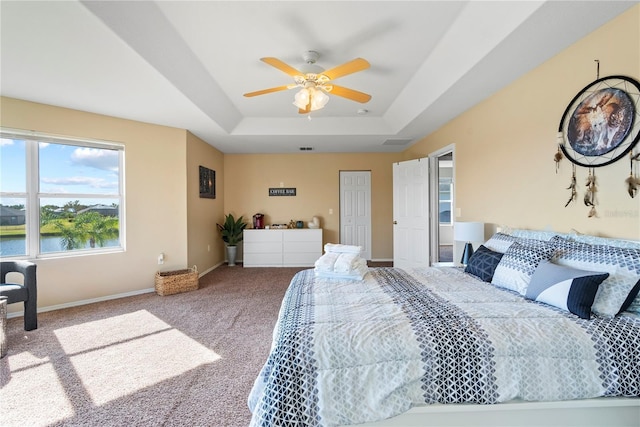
x,y
316,179
505,175
205,248
504,147
155,203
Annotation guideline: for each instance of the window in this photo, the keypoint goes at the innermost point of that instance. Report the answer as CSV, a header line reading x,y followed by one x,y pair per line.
x,y
59,196
444,200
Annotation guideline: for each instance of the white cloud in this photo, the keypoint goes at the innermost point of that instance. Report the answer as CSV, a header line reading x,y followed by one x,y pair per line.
x,y
81,180
96,158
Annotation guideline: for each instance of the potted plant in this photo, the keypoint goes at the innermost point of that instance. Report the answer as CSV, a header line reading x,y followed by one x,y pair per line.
x,y
231,231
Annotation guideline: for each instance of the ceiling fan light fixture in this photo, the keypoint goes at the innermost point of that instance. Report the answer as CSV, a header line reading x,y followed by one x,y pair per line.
x,y
318,99
316,84
301,100
310,97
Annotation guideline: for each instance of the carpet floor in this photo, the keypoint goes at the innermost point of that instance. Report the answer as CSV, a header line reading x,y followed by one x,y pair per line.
x,y
188,359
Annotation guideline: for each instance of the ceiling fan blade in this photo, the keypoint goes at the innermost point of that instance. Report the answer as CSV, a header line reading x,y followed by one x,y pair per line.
x,y
357,64
354,95
275,62
270,90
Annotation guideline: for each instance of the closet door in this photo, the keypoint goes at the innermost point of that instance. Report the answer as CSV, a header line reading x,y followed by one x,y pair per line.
x,y
411,213
355,210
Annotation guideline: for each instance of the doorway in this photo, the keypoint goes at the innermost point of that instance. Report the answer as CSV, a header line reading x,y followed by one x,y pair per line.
x,y
442,205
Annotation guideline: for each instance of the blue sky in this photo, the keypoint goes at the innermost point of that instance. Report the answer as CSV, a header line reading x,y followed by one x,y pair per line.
x,y
64,169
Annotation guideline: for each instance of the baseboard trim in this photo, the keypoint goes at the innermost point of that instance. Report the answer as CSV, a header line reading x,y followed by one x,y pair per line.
x,y
100,299
84,302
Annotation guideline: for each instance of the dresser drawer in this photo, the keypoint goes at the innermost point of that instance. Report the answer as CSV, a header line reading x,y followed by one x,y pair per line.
x,y
262,259
302,247
305,235
262,247
262,235
299,259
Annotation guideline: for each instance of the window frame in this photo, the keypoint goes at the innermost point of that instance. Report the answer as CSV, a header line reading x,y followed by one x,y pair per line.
x,y
33,196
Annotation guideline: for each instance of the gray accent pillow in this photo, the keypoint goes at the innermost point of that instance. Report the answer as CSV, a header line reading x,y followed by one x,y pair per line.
x,y
567,288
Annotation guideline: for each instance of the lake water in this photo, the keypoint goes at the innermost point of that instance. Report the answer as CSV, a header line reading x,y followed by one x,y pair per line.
x,y
12,247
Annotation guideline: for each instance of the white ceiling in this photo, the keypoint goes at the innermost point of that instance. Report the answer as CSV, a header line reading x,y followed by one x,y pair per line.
x,y
186,64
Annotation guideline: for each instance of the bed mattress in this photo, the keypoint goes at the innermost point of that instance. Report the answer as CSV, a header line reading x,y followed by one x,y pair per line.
x,y
349,351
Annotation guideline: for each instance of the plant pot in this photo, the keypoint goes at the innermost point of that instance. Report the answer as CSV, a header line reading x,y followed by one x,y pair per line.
x,y
231,255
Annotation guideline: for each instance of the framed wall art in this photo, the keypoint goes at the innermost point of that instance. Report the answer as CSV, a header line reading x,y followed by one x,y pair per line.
x,y
207,183
602,122
600,126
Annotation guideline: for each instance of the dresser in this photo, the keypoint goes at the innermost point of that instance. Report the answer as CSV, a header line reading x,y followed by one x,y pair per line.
x,y
281,248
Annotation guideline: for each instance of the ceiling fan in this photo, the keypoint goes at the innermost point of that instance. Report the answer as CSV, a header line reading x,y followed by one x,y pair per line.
x,y
316,83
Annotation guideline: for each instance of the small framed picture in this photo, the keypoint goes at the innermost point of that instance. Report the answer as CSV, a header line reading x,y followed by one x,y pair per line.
x,y
207,183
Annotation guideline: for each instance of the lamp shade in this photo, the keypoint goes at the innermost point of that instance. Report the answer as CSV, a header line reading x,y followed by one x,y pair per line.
x,y
468,231
301,100
318,99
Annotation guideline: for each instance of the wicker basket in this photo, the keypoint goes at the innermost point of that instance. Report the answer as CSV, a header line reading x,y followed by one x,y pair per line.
x,y
174,282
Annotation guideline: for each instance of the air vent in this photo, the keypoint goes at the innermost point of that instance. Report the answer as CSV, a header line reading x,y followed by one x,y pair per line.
x,y
306,148
396,142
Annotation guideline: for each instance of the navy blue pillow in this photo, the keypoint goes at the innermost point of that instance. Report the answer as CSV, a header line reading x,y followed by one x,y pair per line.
x,y
632,295
483,263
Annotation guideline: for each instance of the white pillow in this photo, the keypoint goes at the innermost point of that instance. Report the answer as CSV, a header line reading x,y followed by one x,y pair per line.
x,y
617,292
519,262
500,242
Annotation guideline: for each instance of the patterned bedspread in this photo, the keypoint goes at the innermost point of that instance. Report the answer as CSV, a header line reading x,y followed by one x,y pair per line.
x,y
348,352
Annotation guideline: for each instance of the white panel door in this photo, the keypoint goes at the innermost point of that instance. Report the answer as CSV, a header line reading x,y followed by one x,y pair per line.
x,y
355,210
411,213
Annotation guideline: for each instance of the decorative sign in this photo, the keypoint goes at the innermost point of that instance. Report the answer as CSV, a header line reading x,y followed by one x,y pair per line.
x,y
282,192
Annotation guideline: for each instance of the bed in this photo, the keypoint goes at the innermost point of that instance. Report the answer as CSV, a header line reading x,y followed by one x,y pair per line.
x,y
499,340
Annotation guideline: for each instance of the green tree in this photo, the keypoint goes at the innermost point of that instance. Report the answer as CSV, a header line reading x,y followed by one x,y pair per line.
x,y
71,237
97,228
85,227
74,207
47,213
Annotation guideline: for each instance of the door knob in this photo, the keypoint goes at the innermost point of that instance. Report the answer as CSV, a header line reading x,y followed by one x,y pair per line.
x,y
395,222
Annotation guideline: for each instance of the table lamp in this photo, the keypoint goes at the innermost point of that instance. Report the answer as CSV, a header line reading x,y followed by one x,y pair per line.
x,y
468,232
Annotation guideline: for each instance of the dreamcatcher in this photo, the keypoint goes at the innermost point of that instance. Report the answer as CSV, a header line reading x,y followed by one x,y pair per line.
x,y
600,126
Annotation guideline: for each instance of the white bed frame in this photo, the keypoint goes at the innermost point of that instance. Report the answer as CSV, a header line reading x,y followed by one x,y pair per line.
x,y
599,412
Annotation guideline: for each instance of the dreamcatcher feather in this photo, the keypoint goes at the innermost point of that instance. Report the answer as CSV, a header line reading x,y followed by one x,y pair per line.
x,y
573,187
590,194
558,156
